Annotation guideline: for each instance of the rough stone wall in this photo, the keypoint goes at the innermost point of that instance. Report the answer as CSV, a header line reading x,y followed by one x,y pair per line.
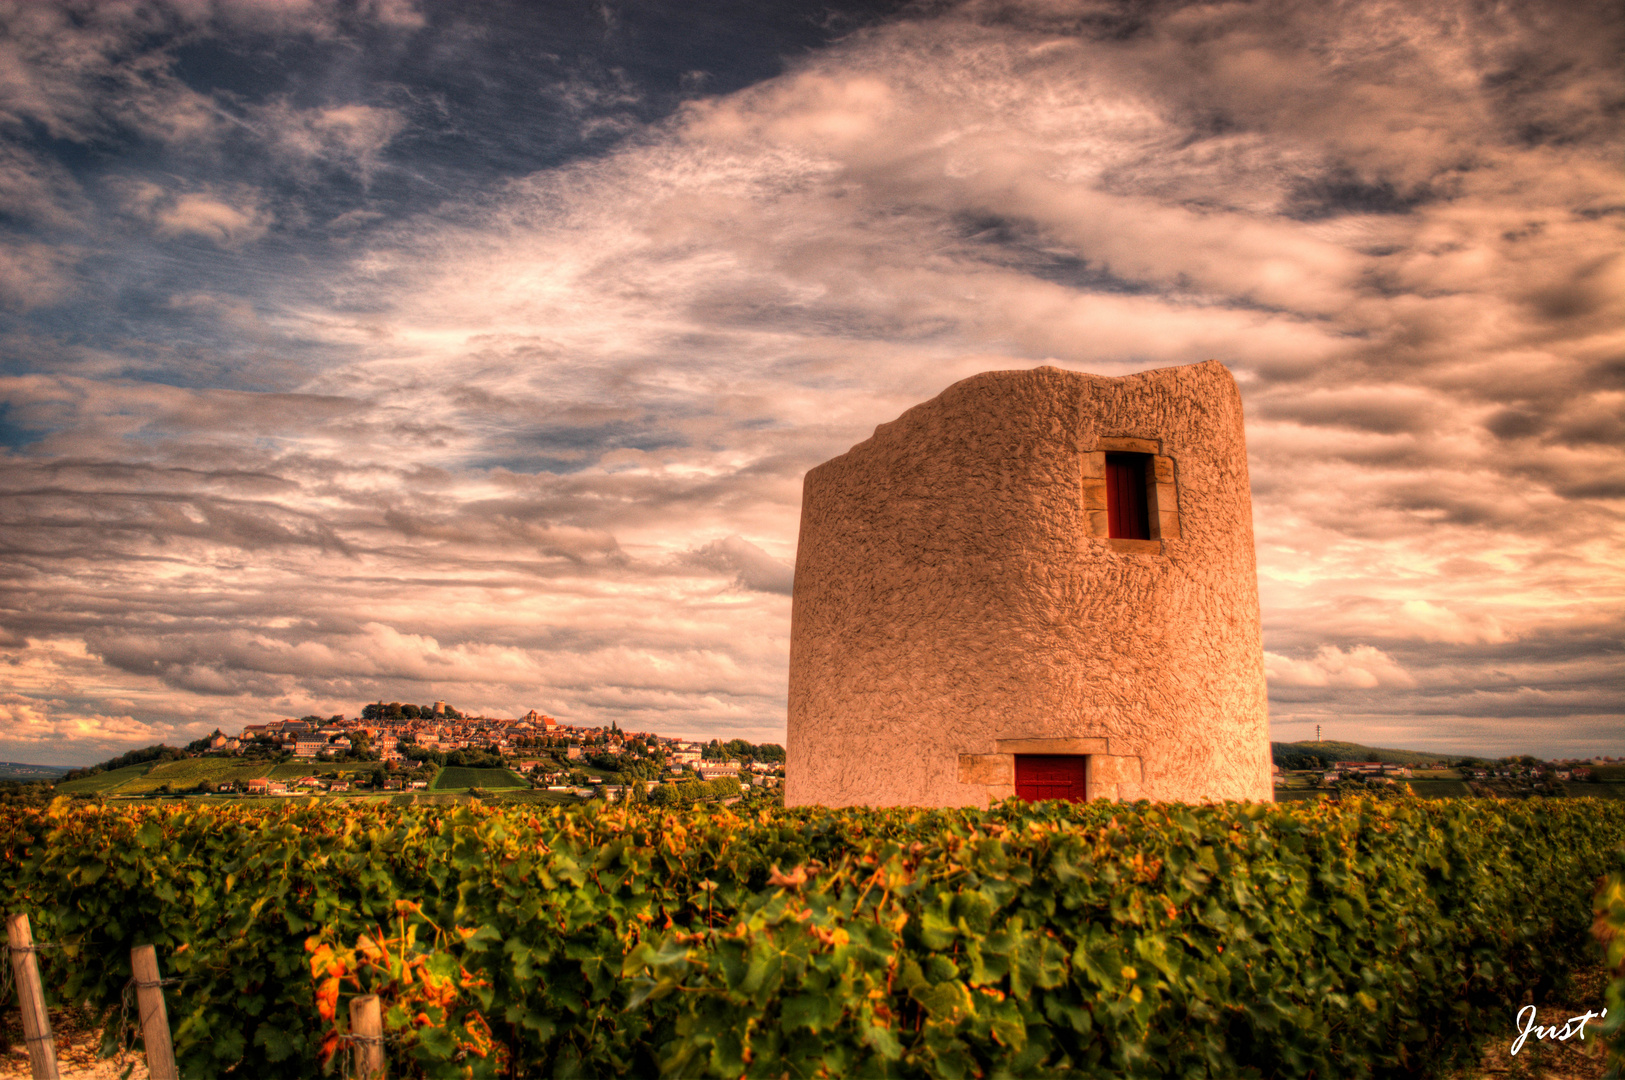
x,y
957,601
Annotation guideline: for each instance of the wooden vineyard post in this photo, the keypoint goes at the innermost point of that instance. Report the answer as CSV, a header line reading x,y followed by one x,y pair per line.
x,y
31,998
149,997
367,1037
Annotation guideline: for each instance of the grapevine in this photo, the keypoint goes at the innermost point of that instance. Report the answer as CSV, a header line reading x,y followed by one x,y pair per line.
x,y
1359,939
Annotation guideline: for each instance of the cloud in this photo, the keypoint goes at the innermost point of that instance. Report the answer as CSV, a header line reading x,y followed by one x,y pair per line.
x,y
1361,667
351,137
200,214
229,220
35,275
752,567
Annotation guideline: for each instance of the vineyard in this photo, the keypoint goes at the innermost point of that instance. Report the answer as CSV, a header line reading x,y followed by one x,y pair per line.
x,y
1367,938
457,778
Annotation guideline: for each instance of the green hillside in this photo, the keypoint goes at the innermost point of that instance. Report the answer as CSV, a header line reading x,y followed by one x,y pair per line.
x,y
1440,789
103,782
189,772
1331,750
294,770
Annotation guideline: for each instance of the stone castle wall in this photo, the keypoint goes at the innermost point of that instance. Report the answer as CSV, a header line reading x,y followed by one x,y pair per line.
x,y
957,600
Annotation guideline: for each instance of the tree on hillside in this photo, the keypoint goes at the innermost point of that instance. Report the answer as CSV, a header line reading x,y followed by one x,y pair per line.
x,y
157,753
198,746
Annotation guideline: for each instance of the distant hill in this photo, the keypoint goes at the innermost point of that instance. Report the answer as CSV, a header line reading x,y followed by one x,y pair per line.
x,y
1331,750
12,770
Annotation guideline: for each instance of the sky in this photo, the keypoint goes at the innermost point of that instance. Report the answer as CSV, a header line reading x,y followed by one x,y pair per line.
x,y
417,351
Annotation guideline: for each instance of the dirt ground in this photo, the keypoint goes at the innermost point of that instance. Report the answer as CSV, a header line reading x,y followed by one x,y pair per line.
x,y
78,1039
1550,1059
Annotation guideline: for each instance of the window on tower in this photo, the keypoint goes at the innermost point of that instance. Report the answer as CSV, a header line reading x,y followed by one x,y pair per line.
x,y
1127,516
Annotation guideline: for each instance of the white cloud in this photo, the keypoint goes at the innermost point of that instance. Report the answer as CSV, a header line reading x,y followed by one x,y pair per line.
x,y
203,215
351,137
1361,667
228,219
753,568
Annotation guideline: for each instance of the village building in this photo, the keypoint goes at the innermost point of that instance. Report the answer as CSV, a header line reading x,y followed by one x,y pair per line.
x,y
1039,583
711,770
547,723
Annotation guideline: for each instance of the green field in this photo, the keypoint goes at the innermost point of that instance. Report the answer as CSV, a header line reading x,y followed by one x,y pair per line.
x,y
1457,789
512,797
104,782
418,798
456,778
189,772
293,770
1332,750
1439,789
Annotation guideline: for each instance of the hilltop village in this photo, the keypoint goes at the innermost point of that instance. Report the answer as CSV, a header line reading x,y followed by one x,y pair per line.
x,y
437,753
408,748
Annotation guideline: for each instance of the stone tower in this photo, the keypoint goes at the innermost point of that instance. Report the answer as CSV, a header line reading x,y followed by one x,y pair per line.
x,y
1034,571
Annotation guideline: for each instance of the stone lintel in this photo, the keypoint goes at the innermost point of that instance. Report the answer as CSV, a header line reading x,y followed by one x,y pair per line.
x,y
1123,444
1047,746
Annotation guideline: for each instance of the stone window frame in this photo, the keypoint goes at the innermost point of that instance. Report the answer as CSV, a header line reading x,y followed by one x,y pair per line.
x,y
1118,776
1161,493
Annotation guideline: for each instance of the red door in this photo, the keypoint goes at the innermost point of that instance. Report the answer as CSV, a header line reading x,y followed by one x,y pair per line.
x,y
1052,776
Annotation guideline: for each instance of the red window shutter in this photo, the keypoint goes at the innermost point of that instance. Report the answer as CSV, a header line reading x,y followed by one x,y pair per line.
x,y
1052,776
1126,516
